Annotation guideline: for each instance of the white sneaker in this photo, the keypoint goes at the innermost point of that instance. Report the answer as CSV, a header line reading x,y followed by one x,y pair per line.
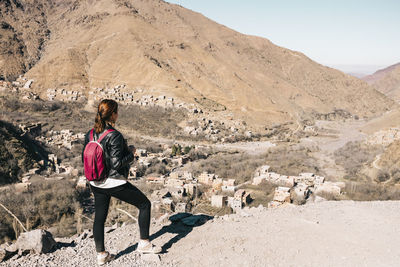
x,y
149,248
103,258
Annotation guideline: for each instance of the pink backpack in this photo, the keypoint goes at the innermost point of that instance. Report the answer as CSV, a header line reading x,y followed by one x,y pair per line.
x,y
94,158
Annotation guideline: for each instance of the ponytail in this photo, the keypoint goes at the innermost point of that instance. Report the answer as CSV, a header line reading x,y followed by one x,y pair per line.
x,y
99,123
105,111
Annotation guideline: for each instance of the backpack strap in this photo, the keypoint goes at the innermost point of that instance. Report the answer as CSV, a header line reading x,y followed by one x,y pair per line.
x,y
104,135
91,135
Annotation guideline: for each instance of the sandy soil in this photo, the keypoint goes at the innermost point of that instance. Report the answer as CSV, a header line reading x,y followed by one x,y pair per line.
x,y
322,234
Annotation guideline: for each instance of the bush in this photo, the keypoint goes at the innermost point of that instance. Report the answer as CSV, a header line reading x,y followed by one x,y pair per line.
x,y
46,204
237,166
176,150
187,149
292,160
158,168
354,155
370,191
395,174
10,102
382,176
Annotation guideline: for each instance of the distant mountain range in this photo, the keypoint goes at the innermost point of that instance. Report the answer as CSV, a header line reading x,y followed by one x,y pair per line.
x,y
167,49
387,81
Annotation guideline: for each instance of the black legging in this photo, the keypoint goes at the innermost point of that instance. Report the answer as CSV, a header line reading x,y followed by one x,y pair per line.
x,y
128,193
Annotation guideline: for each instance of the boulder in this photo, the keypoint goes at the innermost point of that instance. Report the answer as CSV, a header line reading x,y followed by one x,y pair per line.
x,y
38,241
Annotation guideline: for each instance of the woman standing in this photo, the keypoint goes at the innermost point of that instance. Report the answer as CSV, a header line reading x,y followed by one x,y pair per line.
x,y
118,157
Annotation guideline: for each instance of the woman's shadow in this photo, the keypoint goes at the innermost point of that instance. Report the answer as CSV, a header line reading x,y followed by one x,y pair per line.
x,y
181,225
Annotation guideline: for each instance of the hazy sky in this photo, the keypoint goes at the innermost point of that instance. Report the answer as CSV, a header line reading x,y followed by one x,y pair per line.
x,y
353,35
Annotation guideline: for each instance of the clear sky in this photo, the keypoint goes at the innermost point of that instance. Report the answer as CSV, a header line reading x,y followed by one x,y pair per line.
x,y
352,35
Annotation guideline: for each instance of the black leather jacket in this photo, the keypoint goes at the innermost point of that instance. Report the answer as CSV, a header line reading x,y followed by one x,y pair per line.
x,y
117,154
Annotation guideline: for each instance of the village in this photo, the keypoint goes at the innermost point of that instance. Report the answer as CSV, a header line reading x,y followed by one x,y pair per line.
x,y
200,123
178,190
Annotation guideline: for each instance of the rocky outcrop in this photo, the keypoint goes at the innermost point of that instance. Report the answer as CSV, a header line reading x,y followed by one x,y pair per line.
x,y
23,33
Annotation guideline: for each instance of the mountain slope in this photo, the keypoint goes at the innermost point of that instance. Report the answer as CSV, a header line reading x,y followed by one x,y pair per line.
x,y
23,32
387,81
167,49
17,154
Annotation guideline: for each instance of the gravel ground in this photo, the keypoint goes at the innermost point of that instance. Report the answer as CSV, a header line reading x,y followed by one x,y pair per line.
x,y
343,233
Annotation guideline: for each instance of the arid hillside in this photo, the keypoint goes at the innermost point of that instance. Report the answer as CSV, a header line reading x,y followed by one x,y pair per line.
x,y
166,49
389,161
17,154
387,81
23,33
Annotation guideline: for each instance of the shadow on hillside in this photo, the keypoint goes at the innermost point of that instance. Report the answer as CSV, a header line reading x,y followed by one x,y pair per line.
x,y
181,225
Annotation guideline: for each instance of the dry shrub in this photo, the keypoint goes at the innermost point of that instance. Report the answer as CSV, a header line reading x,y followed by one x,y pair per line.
x,y
354,155
10,102
395,175
54,115
157,168
382,176
230,166
371,191
292,160
47,204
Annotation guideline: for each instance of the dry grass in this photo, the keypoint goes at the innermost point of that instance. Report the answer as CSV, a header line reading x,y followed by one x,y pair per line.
x,y
47,204
354,156
230,166
287,160
370,192
292,160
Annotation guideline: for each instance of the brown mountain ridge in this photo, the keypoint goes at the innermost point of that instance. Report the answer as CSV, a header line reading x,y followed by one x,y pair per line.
x,y
167,49
387,81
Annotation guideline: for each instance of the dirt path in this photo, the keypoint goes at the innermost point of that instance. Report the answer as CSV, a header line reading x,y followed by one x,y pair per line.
x,y
342,233
375,162
324,234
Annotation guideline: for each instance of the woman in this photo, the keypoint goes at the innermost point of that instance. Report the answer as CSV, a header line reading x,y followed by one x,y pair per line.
x,y
118,156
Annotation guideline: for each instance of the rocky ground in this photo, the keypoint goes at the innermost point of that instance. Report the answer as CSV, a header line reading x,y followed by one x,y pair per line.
x,y
343,233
